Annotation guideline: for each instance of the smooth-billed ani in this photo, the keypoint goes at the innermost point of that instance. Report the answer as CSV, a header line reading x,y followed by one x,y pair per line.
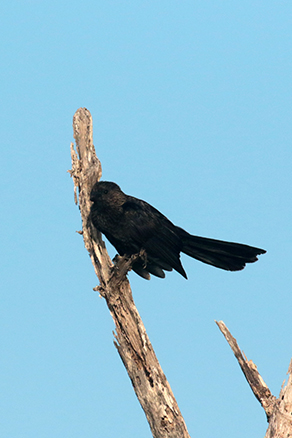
x,y
132,225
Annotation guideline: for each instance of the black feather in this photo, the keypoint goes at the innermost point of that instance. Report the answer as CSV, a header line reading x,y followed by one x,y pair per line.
x,y
131,225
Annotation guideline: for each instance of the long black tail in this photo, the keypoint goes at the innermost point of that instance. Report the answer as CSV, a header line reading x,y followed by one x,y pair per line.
x,y
225,255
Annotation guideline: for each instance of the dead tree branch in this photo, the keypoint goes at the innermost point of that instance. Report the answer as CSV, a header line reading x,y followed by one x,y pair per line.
x,y
278,411
131,340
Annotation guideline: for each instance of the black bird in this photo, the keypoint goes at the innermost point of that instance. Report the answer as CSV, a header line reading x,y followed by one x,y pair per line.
x,y
132,225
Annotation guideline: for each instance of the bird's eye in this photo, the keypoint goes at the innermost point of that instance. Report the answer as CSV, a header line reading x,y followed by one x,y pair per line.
x,y
105,191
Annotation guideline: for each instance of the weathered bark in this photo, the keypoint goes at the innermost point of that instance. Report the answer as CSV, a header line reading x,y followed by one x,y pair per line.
x,y
278,411
131,340
280,422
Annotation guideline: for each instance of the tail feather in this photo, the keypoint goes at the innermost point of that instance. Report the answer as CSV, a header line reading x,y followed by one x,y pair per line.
x,y
225,255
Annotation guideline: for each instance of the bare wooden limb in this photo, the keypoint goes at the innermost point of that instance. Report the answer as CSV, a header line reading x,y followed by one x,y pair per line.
x,y
131,340
278,411
249,369
280,423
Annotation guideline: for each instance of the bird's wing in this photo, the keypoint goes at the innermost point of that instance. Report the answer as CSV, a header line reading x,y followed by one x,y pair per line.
x,y
151,230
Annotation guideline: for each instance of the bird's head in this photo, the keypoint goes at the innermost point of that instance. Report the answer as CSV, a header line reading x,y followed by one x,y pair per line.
x,y
107,194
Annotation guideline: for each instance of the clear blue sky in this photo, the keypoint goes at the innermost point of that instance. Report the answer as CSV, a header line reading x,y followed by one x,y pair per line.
x,y
191,103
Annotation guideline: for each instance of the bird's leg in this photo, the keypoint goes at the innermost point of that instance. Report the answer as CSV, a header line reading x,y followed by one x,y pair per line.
x,y
123,264
143,256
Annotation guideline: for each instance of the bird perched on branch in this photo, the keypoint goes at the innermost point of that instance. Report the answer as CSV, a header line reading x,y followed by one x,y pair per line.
x,y
133,226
